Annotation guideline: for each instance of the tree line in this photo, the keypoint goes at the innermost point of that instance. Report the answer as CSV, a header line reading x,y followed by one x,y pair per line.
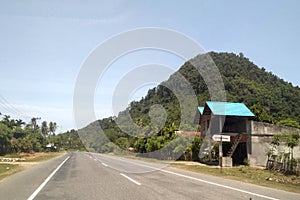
x,y
16,136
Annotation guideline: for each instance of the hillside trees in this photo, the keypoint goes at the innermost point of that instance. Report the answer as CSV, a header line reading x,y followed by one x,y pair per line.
x,y
69,140
270,98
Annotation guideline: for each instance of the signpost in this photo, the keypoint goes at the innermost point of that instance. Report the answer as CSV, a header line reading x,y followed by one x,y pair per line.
x,y
219,138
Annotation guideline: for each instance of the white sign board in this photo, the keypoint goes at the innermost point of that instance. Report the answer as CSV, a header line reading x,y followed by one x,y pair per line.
x,y
217,138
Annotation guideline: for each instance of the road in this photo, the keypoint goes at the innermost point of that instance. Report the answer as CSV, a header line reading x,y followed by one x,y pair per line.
x,y
97,176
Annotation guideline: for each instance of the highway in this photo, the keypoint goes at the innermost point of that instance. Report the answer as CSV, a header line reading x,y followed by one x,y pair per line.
x,y
80,175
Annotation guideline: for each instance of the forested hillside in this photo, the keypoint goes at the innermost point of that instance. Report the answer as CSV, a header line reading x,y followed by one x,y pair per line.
x,y
268,96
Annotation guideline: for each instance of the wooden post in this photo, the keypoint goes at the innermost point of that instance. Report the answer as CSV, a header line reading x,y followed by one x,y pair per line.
x,y
220,153
220,144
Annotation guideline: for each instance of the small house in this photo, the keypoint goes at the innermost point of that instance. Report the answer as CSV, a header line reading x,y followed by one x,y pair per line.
x,y
230,121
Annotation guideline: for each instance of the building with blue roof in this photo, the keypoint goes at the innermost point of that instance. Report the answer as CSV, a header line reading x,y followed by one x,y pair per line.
x,y
239,137
229,109
231,121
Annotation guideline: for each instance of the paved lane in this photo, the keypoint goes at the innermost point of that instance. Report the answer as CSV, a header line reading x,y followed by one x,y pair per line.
x,y
170,182
21,185
97,176
84,177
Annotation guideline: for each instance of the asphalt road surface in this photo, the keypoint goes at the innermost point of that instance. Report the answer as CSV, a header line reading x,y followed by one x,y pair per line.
x,y
96,176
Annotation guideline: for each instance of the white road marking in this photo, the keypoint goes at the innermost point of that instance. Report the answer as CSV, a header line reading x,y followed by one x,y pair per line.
x,y
104,164
86,154
130,179
33,195
220,185
196,179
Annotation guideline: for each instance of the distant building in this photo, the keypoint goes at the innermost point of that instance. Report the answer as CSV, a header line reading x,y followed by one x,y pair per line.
x,y
245,139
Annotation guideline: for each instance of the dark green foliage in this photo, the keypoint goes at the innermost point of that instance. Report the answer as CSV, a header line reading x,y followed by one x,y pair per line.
x,y
270,98
289,122
69,140
16,136
5,137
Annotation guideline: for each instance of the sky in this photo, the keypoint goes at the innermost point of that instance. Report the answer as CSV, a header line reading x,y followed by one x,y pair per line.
x,y
44,44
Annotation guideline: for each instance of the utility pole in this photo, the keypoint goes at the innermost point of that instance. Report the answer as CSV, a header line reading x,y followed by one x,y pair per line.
x,y
220,144
220,153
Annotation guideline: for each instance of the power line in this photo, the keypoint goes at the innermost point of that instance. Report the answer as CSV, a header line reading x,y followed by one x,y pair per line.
x,y
11,109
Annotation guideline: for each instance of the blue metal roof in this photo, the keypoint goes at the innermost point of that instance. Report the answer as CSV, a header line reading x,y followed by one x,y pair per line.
x,y
201,109
229,109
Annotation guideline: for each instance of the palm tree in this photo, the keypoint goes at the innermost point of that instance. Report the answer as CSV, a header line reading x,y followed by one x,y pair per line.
x,y
34,123
19,123
52,127
45,128
9,123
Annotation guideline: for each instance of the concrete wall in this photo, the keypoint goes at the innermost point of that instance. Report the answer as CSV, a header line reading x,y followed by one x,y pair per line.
x,y
261,137
261,128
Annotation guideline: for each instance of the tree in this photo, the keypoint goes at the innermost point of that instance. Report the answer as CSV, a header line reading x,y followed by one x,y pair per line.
x,y
290,139
122,143
52,127
20,123
34,123
45,128
5,136
289,122
241,55
261,113
10,123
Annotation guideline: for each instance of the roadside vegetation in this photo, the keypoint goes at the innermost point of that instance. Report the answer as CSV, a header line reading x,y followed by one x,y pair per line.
x,y
25,144
17,137
281,154
13,163
247,174
9,169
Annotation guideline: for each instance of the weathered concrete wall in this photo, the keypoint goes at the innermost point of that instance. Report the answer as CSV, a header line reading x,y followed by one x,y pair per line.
x,y
261,137
261,128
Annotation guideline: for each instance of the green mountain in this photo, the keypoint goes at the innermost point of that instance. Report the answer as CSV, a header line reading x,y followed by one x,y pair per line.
x,y
270,98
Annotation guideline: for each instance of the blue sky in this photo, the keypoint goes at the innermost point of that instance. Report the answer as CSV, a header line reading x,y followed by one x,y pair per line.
x,y
44,44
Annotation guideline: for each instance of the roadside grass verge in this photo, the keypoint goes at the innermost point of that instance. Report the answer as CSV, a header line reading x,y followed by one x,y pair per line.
x,y
249,175
39,157
9,169
27,160
253,175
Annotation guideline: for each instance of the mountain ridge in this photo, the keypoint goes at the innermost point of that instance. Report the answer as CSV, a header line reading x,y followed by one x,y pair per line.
x,y
269,97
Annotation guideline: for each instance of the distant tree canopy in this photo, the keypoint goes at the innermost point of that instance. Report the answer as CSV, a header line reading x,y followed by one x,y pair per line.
x,y
17,136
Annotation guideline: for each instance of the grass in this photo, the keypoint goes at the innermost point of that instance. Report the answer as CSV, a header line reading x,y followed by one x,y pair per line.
x,y
253,175
39,157
9,169
249,175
